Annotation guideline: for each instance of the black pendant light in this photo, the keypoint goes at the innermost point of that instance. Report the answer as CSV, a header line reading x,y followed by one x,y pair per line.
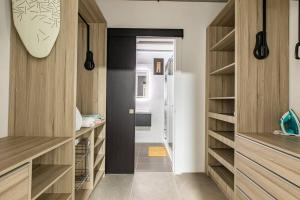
x,y
298,44
261,50
89,60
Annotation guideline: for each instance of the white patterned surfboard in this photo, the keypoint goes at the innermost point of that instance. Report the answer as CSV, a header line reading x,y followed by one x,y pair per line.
x,y
37,23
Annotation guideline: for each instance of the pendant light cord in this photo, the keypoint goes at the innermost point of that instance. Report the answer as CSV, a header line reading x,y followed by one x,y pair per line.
x,y
299,21
88,31
265,15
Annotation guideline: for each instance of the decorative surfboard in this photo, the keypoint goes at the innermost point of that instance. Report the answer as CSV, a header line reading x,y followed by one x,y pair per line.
x,y
37,23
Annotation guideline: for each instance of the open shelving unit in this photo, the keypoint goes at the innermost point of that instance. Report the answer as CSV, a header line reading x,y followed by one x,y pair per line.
x,y
43,99
44,176
94,160
93,100
238,95
226,43
221,99
228,69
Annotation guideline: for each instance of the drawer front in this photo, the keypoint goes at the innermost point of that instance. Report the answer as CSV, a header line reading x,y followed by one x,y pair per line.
x,y
284,165
16,184
278,187
251,189
240,195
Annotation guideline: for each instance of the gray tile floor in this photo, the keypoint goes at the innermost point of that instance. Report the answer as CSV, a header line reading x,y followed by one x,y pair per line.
x,y
157,186
153,180
144,163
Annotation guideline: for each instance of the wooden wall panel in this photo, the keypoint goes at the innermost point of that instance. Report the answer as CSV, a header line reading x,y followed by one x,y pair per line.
x,y
42,91
91,85
262,85
90,11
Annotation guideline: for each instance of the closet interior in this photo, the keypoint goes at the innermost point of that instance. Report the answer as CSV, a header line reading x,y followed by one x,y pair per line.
x,y
239,94
44,157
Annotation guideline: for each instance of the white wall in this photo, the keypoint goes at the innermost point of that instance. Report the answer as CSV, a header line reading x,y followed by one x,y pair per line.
x,y
155,102
193,17
4,64
294,64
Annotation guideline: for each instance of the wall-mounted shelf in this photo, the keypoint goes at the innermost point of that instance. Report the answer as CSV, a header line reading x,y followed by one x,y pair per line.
x,y
226,137
44,176
227,70
225,44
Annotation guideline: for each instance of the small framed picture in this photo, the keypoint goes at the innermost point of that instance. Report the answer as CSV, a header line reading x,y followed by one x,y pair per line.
x,y
158,66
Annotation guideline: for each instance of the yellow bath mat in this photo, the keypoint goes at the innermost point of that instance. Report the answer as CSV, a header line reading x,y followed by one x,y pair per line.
x,y
157,151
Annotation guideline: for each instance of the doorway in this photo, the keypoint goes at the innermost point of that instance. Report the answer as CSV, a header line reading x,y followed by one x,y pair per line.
x,y
154,104
121,96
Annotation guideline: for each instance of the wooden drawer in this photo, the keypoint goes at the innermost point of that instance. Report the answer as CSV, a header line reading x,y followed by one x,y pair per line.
x,y
275,185
240,195
284,165
253,191
15,185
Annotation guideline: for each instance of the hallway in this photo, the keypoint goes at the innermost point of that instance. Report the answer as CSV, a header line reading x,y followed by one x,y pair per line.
x,y
157,186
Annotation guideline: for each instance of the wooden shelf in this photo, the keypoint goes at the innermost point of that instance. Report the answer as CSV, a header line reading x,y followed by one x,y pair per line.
x,y
98,176
222,98
44,176
20,150
99,141
54,196
223,178
226,137
83,131
225,44
227,70
99,158
226,17
222,117
83,194
224,156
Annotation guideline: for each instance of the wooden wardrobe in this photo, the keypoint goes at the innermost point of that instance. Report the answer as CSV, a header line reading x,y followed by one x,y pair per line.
x,y
244,94
38,158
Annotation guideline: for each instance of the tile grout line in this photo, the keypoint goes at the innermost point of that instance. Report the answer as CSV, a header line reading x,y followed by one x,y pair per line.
x,y
135,169
176,187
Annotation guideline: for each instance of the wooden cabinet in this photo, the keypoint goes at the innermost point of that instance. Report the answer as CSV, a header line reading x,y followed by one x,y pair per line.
x,y
244,94
280,163
250,188
15,185
266,171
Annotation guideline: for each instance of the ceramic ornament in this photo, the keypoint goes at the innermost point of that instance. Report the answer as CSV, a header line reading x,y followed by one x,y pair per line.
x,y
37,23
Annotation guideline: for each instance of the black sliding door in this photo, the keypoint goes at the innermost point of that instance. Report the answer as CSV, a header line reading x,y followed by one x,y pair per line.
x,y
120,112
120,104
